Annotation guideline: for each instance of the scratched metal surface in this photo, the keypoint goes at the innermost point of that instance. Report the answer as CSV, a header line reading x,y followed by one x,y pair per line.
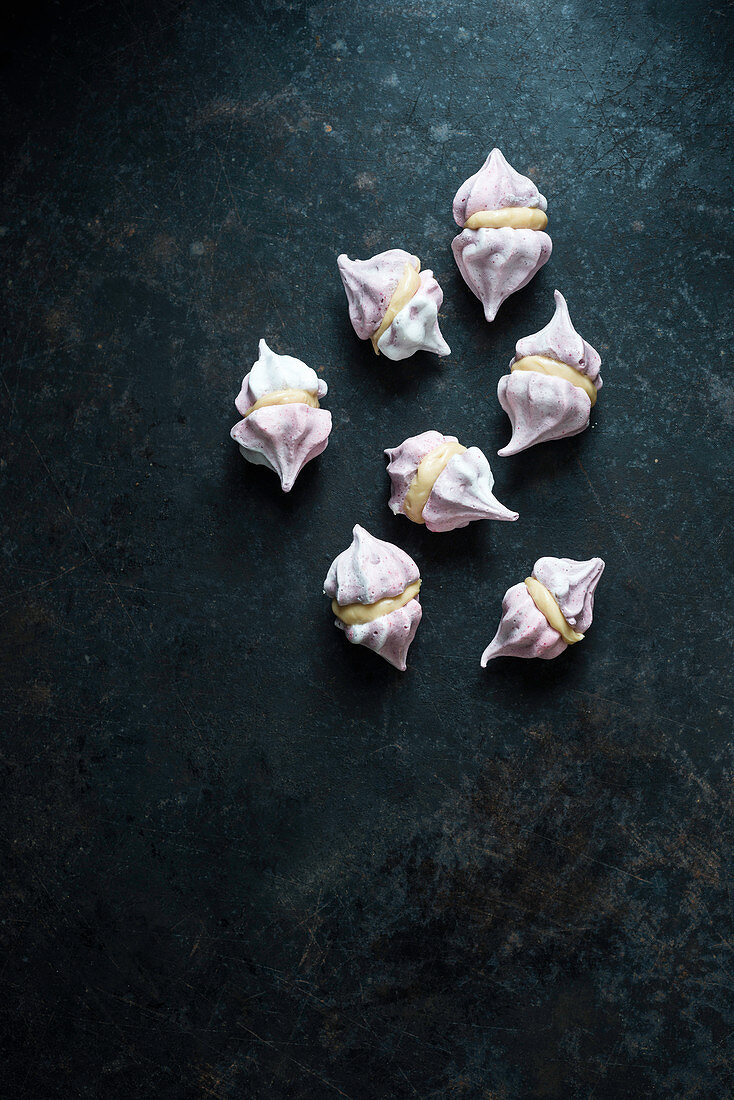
x,y
242,858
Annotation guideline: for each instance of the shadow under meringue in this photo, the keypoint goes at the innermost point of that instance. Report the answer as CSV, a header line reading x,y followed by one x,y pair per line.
x,y
519,311
433,549
396,376
540,463
532,679
248,486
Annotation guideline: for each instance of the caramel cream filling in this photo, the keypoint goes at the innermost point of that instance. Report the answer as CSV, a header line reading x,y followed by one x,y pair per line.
x,y
354,614
401,295
512,217
541,364
285,397
548,605
434,463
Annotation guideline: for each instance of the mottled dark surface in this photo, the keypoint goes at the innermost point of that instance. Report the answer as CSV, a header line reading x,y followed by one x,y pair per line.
x,y
241,858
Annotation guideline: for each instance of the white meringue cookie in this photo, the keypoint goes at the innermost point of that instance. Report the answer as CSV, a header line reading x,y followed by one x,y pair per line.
x,y
502,244
272,372
415,327
496,263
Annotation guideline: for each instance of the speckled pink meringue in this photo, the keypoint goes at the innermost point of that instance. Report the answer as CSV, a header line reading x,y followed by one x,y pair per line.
x,y
369,286
494,263
542,407
370,570
524,631
462,491
282,437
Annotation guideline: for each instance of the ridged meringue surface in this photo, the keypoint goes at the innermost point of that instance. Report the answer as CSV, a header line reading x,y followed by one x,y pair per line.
x,y
542,407
282,437
573,584
524,631
560,340
495,263
367,571
390,635
272,372
462,491
369,286
495,187
415,327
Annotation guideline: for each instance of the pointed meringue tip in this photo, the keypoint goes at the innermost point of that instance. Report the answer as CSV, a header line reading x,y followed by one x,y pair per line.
x,y
288,479
489,655
507,516
562,306
345,265
508,450
490,312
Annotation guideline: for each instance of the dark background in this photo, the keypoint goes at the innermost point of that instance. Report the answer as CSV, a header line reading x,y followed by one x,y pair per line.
x,y
240,857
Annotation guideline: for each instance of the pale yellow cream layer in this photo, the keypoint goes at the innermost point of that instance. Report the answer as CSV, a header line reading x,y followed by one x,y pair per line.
x,y
401,295
425,478
542,364
354,614
512,217
285,397
548,605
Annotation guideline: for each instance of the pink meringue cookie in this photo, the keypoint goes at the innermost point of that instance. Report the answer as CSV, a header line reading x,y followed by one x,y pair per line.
x,y
460,494
370,285
283,437
368,571
495,187
524,631
542,406
495,263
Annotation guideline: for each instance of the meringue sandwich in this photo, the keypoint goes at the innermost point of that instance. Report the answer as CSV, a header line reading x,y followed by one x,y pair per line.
x,y
393,303
549,611
438,482
503,242
374,588
283,425
552,385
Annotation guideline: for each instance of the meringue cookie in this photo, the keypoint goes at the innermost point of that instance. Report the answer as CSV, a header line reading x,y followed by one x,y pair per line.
x,y
552,386
502,215
438,482
283,426
394,304
374,595
551,610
